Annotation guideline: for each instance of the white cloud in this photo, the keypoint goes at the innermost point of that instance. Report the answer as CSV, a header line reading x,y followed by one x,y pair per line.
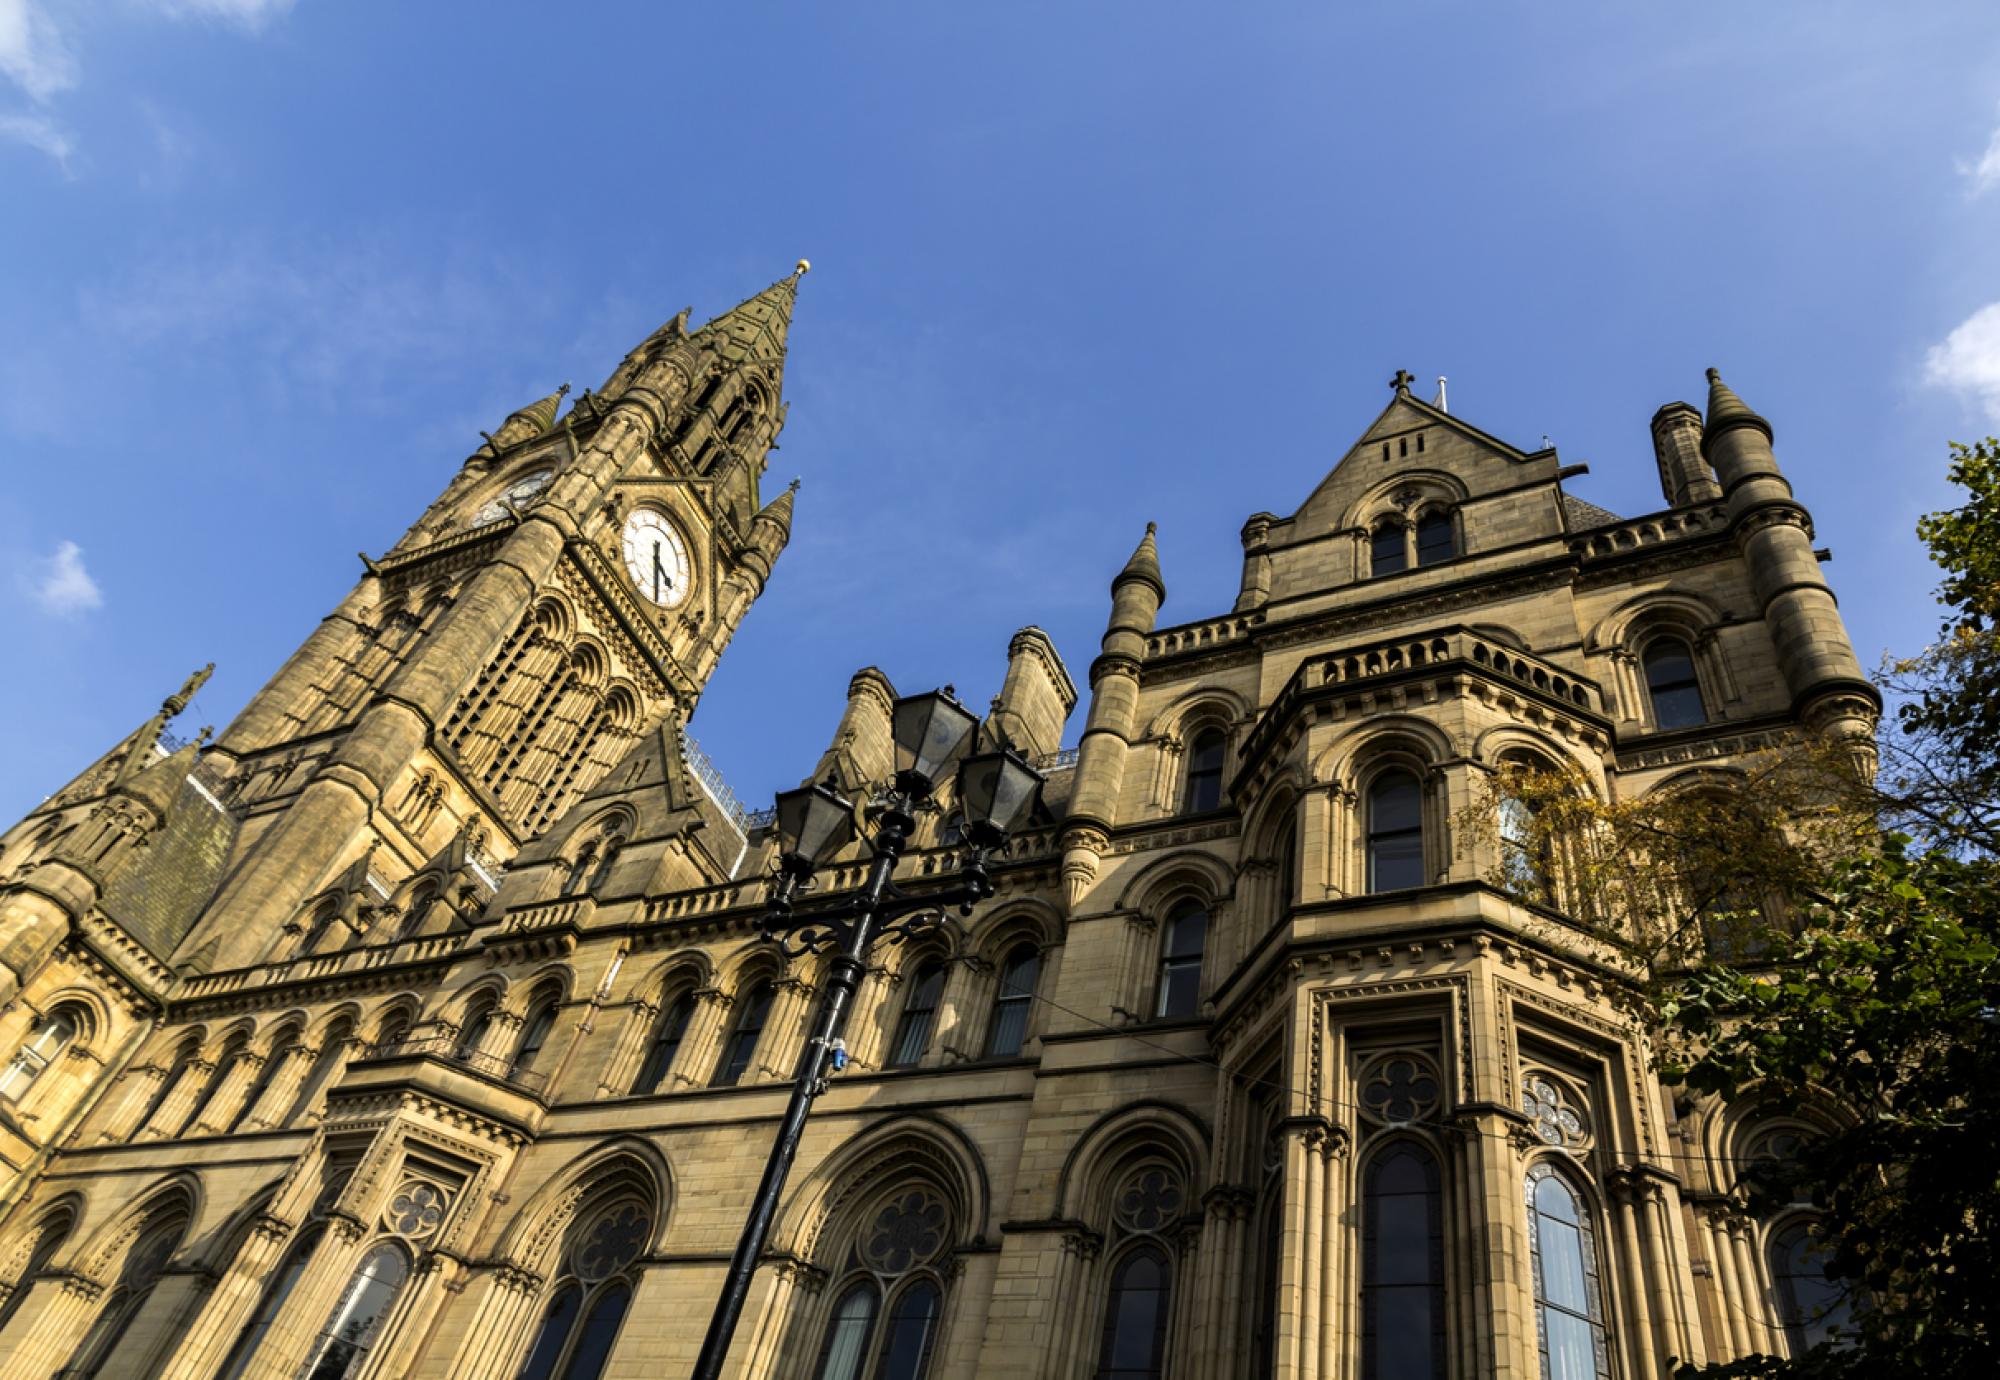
x,y
39,132
248,14
1968,361
32,53
1985,174
64,588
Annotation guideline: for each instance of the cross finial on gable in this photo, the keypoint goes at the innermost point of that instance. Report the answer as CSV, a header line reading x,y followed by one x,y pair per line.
x,y
1401,383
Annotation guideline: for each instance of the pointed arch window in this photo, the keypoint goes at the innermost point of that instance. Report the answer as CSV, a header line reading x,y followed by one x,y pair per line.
x,y
276,1292
1015,1001
847,1331
1180,961
1134,1345
1402,1266
1204,772
1288,868
1395,831
355,1325
668,1032
477,1025
753,1007
913,1029
141,1272
332,1055
43,1047
1437,538
1569,1307
1388,550
534,1035
592,1295
1524,854
1810,1304
1672,686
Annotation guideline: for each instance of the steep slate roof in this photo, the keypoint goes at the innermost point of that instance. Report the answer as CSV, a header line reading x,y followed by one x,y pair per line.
x,y
159,897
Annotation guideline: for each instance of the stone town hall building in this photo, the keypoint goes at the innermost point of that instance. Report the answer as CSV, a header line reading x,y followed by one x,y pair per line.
x,y
419,1025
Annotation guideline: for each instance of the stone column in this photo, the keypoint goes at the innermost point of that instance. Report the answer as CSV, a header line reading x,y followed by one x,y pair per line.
x,y
503,1302
140,1085
50,1323
783,1038
1641,1340
960,1008
630,1048
1069,1329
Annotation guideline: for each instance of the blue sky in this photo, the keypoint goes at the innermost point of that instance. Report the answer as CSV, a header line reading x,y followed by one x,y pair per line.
x,y
267,267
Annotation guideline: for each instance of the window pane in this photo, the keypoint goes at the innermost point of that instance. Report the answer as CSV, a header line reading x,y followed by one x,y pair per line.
x,y
1135,1319
600,1330
743,1041
913,1030
1395,804
1180,989
1204,778
1571,1356
1388,556
1400,1347
1673,686
906,1343
344,1341
666,1043
1811,1304
1402,1268
1011,1008
847,1334
1434,539
1187,932
554,1336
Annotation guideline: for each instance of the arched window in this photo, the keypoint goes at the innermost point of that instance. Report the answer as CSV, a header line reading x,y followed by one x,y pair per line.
x,y
276,1292
752,1007
1180,961
1810,1305
322,924
50,1234
1388,552
1672,685
1395,831
913,1028
149,1255
1402,1267
1135,1317
478,1023
178,1067
1288,868
1436,539
1204,772
847,1331
1568,1304
1014,1002
1523,857
607,856
233,1053
332,1056
47,1041
593,1292
892,1258
355,1324
395,1029
534,1034
666,1043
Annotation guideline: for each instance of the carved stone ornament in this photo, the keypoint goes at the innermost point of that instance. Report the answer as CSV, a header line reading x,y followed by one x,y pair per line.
x,y
1397,1089
1551,1111
417,1210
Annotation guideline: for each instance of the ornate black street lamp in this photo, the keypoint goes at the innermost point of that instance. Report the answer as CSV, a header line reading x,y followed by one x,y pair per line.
x,y
996,791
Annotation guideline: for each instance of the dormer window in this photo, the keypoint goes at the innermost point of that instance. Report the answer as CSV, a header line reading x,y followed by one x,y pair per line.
x,y
1437,541
1390,552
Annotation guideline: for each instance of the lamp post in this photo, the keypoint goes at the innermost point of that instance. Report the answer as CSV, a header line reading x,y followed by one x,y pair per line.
x,y
996,790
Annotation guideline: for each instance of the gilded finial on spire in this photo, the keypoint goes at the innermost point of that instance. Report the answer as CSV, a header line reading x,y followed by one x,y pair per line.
x,y
803,267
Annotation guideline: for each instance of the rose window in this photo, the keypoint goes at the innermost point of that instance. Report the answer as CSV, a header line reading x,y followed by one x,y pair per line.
x,y
1548,1107
907,1232
1399,1089
612,1241
1150,1199
417,1210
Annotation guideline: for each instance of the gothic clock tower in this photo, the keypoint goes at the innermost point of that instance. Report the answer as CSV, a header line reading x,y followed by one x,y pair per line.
x,y
569,591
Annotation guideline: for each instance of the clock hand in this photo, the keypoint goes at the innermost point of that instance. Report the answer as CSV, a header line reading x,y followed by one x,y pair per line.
x,y
656,572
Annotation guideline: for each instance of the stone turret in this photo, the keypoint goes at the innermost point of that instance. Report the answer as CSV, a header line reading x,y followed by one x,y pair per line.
x,y
1685,477
1036,699
863,750
1256,590
1136,595
1774,533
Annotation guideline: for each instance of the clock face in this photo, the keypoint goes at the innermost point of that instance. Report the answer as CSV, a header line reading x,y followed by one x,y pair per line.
x,y
656,557
517,493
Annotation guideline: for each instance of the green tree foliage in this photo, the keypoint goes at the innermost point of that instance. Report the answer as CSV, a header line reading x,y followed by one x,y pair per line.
x,y
1806,931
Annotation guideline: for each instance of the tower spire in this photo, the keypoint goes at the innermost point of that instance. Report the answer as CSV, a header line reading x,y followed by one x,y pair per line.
x,y
1726,411
1144,565
757,327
